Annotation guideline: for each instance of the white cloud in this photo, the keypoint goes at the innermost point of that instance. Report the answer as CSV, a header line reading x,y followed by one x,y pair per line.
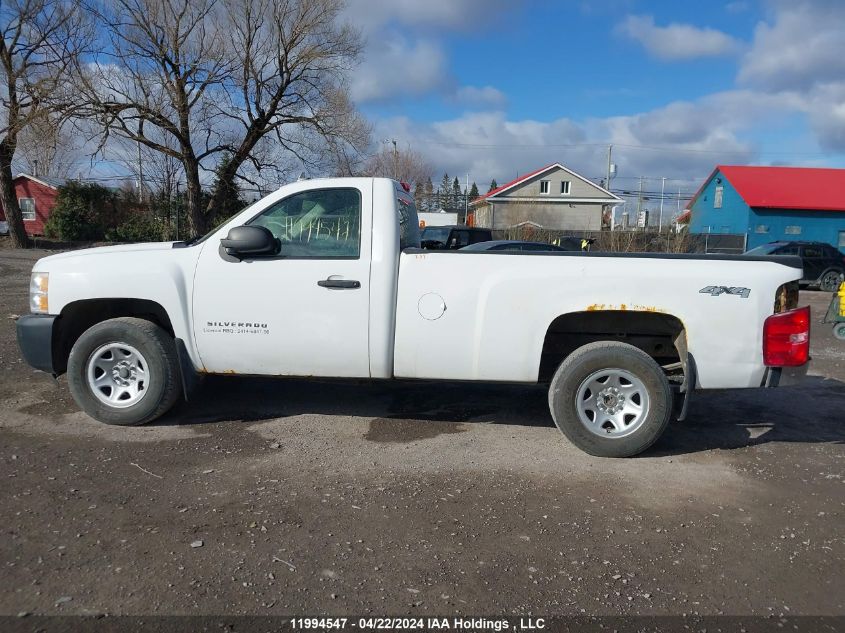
x,y
403,55
681,140
797,54
397,66
678,41
369,15
803,46
486,96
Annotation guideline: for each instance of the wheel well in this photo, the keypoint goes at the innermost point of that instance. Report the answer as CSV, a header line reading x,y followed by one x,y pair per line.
x,y
661,336
78,316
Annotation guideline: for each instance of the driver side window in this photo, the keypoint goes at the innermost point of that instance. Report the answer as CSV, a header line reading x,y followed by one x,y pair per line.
x,y
320,224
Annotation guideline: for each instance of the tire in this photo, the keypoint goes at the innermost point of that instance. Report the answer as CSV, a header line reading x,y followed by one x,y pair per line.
x,y
124,371
839,331
829,282
610,380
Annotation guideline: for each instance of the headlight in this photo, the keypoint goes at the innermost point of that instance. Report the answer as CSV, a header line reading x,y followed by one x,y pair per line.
x,y
38,292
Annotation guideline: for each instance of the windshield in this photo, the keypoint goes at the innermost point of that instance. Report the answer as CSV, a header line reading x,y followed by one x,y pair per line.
x,y
765,249
436,233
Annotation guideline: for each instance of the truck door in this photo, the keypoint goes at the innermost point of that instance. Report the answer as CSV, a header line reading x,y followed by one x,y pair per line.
x,y
303,312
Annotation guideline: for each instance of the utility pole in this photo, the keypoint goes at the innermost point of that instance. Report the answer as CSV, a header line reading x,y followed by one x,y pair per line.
x,y
395,161
607,186
466,200
36,168
662,191
640,200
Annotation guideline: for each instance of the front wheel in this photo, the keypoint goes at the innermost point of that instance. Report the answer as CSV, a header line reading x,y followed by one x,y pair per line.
x,y
610,399
839,331
124,371
830,281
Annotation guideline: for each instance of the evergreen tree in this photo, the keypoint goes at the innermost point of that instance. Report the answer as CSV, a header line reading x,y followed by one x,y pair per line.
x,y
493,185
231,200
444,197
428,196
457,195
419,196
473,192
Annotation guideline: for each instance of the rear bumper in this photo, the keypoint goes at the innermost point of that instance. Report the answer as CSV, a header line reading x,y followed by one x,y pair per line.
x,y
35,338
785,376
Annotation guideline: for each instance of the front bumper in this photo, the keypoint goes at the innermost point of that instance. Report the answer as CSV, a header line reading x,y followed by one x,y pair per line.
x,y
35,338
785,376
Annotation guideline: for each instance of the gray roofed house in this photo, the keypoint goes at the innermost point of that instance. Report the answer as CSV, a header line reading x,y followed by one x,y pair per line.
x,y
552,198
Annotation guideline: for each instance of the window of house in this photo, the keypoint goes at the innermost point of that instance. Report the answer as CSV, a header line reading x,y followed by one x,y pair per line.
x,y
544,186
761,228
322,223
27,206
792,230
717,197
841,239
564,187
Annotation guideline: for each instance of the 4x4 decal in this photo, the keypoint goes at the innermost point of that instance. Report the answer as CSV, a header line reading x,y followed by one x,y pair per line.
x,y
715,291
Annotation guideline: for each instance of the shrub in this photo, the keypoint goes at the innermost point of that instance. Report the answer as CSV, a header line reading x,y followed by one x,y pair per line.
x,y
137,228
80,212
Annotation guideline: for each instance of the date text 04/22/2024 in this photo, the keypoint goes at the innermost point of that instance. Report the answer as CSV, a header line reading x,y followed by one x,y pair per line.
x,y
465,624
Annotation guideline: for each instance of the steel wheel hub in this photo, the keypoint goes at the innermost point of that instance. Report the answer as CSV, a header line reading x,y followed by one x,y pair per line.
x,y
117,375
612,402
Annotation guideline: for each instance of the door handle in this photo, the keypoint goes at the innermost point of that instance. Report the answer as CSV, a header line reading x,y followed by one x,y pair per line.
x,y
339,283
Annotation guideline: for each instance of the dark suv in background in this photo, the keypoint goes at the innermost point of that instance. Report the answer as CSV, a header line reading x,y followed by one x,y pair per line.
x,y
453,237
824,265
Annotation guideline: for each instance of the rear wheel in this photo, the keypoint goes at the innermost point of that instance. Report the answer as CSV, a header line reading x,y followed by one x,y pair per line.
x,y
830,281
124,371
610,399
839,331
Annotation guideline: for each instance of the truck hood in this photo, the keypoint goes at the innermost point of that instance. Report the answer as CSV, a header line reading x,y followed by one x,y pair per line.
x,y
102,251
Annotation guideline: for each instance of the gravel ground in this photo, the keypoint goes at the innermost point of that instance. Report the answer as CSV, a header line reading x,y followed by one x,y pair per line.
x,y
290,497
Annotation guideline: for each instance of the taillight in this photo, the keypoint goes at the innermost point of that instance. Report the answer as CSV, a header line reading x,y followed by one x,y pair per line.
x,y
786,338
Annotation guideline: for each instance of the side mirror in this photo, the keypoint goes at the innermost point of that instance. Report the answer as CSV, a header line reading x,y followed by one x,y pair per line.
x,y
250,241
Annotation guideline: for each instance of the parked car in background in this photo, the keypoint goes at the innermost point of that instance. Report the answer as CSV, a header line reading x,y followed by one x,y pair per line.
x,y
4,227
824,265
566,244
453,237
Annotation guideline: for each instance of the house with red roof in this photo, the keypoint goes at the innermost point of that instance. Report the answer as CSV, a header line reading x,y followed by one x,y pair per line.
x,y
553,198
770,204
36,197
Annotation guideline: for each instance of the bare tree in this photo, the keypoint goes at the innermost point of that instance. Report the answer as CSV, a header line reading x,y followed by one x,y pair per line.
x,y
41,40
218,76
45,148
405,165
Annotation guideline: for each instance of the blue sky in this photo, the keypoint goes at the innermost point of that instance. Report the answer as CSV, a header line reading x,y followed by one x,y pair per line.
x,y
494,87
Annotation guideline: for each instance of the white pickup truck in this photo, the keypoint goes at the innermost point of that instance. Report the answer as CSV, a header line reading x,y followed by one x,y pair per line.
x,y
326,278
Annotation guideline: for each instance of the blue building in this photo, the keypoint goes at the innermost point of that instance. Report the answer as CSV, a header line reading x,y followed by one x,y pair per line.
x,y
769,204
